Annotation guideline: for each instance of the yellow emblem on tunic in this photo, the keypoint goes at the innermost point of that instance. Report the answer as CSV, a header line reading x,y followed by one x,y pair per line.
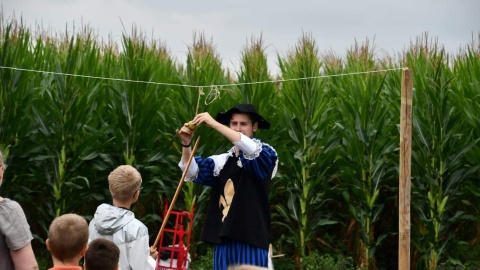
x,y
226,199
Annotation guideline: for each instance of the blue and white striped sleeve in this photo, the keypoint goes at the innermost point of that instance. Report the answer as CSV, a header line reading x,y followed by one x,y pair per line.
x,y
203,171
259,159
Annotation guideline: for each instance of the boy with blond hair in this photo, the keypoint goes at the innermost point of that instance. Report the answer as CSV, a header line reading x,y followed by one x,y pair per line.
x,y
67,241
102,254
118,224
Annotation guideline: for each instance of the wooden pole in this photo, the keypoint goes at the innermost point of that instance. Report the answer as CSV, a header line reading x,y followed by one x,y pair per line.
x,y
405,173
153,248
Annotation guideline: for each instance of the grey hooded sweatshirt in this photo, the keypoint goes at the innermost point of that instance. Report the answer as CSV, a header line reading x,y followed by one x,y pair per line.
x,y
128,233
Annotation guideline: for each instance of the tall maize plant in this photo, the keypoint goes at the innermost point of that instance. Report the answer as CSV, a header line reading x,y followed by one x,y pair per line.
x,y
66,127
307,149
16,98
440,147
16,87
32,182
134,103
369,139
255,83
467,84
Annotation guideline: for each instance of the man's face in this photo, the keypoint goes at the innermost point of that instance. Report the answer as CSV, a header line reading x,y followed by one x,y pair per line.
x,y
241,122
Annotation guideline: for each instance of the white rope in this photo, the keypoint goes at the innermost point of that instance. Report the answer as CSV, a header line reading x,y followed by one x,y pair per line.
x,y
200,86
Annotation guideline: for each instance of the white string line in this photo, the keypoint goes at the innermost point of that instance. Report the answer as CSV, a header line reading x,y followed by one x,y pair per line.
x,y
200,86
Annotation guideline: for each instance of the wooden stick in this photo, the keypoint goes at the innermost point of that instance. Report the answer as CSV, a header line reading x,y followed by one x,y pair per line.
x,y
405,172
153,248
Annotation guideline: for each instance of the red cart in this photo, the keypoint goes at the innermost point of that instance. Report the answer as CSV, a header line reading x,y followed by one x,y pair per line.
x,y
175,242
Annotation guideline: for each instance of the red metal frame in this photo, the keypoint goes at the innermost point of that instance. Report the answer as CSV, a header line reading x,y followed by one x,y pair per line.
x,y
178,248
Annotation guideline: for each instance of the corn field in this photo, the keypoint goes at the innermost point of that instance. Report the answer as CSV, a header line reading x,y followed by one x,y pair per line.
x,y
337,137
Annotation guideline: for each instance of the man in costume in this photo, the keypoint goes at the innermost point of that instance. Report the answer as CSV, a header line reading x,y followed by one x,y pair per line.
x,y
238,218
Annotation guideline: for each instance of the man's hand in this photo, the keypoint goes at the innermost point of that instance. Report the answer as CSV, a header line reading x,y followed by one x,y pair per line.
x,y
206,119
185,134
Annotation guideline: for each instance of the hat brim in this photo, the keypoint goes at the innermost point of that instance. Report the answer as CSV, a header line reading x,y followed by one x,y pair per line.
x,y
224,118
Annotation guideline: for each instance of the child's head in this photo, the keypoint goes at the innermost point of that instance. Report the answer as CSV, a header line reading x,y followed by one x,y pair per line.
x,y
124,182
68,237
102,254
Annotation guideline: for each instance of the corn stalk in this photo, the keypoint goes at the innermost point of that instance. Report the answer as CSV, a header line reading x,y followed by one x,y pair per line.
x,y
308,150
368,142
441,143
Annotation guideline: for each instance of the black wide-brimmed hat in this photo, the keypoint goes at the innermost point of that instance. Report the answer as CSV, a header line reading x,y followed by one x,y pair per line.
x,y
224,118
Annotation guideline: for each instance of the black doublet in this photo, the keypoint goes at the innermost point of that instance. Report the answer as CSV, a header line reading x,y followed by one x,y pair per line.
x,y
248,218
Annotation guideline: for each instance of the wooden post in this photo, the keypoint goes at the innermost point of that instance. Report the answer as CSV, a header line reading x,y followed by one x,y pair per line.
x,y
405,173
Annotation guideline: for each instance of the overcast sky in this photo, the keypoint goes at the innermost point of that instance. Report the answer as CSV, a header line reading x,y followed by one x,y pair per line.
x,y
335,25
